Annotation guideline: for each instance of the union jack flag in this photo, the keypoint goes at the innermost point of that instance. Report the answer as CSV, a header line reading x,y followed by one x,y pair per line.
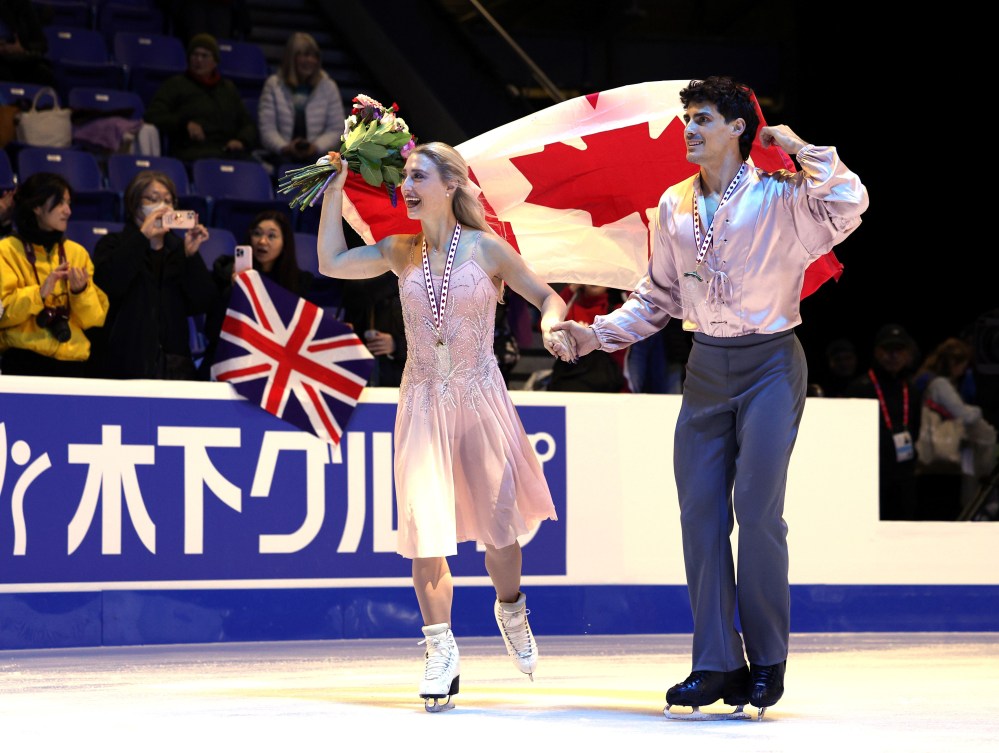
x,y
290,357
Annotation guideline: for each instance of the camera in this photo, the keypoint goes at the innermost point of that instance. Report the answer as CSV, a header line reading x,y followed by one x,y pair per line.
x,y
56,321
183,219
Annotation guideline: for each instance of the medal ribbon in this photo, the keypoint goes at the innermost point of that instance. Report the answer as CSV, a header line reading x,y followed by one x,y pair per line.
x,y
705,243
439,313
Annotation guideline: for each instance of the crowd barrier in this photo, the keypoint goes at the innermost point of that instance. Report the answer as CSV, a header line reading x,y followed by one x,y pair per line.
x,y
151,512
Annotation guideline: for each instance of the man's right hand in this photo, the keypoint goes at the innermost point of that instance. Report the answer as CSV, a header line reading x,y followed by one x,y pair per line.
x,y
583,338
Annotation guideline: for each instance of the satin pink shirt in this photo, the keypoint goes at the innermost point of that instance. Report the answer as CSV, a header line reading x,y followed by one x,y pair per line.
x,y
771,228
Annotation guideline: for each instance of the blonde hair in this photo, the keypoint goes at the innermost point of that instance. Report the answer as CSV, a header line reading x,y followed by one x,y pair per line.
x,y
299,42
468,210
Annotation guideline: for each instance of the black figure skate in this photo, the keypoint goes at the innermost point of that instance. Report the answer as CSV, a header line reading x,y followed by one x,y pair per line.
x,y
702,688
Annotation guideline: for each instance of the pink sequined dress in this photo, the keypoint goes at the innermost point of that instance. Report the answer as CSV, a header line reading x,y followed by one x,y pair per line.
x,y
464,467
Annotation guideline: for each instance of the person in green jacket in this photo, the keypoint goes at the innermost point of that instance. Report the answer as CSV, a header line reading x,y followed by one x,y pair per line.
x,y
200,112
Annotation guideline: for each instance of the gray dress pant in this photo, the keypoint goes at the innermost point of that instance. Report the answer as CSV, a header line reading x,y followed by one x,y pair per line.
x,y
743,399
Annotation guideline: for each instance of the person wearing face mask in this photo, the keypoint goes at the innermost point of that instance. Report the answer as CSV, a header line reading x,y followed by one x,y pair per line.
x,y
48,295
155,279
273,243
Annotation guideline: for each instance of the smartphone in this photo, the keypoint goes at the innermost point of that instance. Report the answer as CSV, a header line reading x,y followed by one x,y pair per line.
x,y
181,219
244,259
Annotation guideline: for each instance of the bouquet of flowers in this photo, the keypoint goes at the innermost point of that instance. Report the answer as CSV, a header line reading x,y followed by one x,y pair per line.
x,y
375,143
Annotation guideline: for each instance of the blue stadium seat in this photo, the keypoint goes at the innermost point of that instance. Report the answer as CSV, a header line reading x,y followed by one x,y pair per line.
x,y
75,13
76,45
118,17
245,64
305,252
123,167
88,232
231,179
134,49
92,200
13,91
115,100
149,59
220,242
70,75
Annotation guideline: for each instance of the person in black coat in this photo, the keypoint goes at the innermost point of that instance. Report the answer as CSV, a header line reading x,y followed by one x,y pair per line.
x,y
154,279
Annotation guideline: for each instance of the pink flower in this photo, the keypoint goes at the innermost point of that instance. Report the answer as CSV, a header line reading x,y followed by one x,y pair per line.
x,y
406,149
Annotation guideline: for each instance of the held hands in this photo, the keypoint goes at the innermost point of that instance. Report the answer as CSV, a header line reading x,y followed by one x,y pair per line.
x,y
582,339
559,344
783,137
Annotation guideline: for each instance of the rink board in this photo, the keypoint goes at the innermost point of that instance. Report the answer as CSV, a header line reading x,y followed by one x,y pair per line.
x,y
158,512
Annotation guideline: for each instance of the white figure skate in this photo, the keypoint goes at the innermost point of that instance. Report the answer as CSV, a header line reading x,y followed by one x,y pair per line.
x,y
516,632
440,675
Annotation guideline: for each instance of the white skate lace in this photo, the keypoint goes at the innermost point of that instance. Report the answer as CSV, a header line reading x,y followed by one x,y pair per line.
x,y
438,656
518,632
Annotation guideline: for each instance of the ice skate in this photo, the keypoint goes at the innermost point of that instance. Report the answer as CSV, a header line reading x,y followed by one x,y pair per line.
x,y
440,675
767,686
516,632
702,688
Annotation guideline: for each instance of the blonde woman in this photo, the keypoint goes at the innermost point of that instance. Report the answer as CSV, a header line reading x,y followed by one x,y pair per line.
x,y
465,469
300,114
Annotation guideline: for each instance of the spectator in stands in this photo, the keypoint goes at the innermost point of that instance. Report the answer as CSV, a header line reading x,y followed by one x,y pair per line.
x,y
47,290
889,382
155,280
300,113
841,368
373,308
273,242
200,112
23,46
944,489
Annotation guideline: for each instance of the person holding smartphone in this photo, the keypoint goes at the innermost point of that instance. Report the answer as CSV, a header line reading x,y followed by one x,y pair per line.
x,y
155,279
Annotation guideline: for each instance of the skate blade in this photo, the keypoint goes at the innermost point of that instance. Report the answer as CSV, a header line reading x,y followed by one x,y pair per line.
x,y
434,705
696,715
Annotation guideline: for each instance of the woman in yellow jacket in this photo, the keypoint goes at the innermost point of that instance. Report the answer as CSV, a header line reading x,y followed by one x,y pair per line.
x,y
47,292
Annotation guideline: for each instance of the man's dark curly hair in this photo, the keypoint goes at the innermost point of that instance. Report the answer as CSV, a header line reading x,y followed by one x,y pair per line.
x,y
731,99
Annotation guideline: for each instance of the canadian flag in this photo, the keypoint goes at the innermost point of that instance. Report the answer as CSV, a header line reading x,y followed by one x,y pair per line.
x,y
573,187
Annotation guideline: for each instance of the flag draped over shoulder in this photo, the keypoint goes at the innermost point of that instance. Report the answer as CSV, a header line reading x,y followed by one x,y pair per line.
x,y
290,357
574,186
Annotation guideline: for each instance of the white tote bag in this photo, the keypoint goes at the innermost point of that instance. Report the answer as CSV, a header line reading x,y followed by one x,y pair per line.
x,y
52,128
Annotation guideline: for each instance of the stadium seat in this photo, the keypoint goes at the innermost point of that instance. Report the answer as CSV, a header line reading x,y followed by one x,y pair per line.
x,y
76,45
231,179
133,49
87,233
306,252
12,92
220,243
121,17
75,13
149,59
245,64
70,74
114,100
92,200
123,167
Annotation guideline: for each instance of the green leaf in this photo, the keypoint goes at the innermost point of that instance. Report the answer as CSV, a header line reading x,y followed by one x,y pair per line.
x,y
391,175
371,173
371,150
